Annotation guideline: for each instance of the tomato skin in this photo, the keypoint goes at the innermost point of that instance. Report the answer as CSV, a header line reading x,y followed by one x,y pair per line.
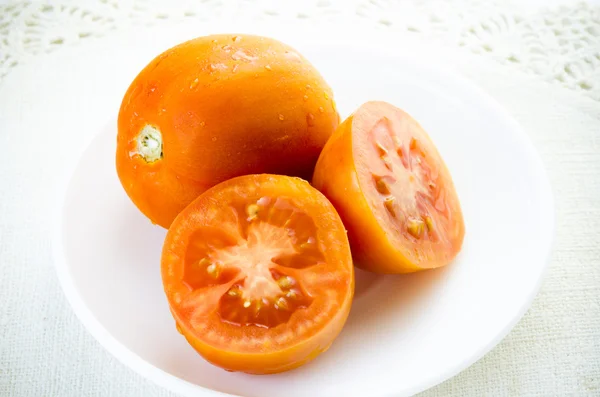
x,y
270,357
268,362
226,105
336,176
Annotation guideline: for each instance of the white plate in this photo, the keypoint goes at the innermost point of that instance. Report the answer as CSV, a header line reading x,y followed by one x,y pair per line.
x,y
405,333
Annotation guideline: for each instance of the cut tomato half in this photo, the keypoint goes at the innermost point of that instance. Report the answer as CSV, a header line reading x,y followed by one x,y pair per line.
x,y
393,191
258,273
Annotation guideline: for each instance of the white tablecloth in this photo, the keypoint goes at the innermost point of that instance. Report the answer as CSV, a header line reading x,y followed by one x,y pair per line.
x,y
543,65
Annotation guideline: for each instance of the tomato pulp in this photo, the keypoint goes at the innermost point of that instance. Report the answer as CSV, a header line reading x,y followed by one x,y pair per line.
x,y
391,187
258,273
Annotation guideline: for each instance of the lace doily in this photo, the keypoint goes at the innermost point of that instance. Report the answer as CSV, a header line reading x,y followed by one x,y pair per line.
x,y
561,45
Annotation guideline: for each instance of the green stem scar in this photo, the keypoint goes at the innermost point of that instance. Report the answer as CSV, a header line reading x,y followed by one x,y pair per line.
x,y
149,144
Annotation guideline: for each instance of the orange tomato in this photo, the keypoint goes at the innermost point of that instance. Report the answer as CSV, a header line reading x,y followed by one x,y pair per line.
x,y
214,108
258,273
393,191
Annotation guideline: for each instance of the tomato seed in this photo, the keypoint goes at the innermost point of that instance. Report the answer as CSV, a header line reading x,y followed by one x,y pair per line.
x,y
381,149
252,211
247,304
415,227
389,205
213,270
413,143
285,282
234,292
282,304
429,223
387,163
204,262
381,186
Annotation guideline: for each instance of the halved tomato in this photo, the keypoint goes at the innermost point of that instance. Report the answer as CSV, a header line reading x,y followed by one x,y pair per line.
x,y
258,273
387,180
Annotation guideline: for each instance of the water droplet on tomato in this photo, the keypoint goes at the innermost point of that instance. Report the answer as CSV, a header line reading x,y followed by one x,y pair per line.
x,y
241,55
292,55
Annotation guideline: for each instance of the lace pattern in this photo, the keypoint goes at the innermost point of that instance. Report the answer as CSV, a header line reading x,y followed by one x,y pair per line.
x,y
561,45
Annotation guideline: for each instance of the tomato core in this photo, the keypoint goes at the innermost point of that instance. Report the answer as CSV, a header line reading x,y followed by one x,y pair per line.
x,y
260,269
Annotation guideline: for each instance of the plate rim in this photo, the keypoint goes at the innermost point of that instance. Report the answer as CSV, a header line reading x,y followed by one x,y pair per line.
x,y
182,387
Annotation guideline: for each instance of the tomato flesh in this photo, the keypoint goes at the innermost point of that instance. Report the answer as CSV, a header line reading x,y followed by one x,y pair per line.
x,y
412,194
269,270
393,191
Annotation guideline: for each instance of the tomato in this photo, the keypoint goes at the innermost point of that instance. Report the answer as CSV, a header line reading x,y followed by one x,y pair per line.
x,y
214,108
258,273
393,191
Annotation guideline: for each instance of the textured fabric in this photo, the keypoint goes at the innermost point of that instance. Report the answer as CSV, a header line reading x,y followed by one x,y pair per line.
x,y
553,351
